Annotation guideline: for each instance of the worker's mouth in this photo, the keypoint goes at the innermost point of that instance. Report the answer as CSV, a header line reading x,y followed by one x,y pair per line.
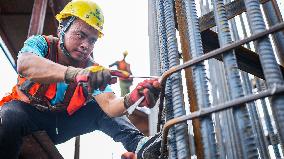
x,y
81,54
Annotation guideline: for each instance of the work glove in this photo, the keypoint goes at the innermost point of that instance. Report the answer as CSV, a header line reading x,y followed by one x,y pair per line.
x,y
128,155
95,77
149,88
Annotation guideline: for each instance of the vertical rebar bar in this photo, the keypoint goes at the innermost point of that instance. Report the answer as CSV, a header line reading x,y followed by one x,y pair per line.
x,y
268,121
200,80
176,83
155,64
195,142
248,147
258,131
272,12
268,61
256,125
172,148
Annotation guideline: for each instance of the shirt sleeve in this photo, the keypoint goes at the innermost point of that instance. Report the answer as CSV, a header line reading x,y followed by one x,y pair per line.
x,y
35,44
107,90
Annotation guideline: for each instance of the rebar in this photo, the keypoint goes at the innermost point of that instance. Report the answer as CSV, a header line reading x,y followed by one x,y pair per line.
x,y
200,80
268,61
181,134
172,147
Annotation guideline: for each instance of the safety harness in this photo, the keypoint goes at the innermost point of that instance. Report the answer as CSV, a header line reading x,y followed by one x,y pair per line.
x,y
40,95
40,98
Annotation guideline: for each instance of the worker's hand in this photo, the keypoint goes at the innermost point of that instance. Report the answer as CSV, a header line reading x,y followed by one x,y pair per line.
x,y
150,89
128,155
95,77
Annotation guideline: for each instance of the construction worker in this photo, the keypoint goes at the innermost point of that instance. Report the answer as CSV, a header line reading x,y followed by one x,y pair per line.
x,y
124,83
62,91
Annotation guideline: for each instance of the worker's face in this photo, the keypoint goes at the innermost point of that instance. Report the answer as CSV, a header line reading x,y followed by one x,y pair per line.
x,y
80,39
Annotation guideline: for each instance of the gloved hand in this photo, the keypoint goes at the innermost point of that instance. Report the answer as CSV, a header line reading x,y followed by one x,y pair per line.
x,y
149,88
128,155
95,77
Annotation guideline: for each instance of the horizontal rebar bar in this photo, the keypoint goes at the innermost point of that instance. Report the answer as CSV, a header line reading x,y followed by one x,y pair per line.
x,y
214,53
276,89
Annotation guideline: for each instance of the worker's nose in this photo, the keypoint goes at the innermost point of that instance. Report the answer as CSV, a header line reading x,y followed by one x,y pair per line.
x,y
85,45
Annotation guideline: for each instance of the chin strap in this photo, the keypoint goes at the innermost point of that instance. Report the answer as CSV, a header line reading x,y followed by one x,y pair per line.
x,y
63,28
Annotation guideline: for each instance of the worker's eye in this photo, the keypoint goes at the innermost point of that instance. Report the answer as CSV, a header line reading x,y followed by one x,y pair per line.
x,y
93,41
79,35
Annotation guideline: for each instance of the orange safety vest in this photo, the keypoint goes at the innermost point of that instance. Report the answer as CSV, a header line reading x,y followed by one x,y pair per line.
x,y
40,95
122,65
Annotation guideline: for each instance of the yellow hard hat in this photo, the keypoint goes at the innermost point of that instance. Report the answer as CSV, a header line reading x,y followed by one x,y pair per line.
x,y
125,53
86,10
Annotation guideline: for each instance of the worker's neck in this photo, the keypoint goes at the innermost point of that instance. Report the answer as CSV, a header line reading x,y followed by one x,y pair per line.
x,y
68,61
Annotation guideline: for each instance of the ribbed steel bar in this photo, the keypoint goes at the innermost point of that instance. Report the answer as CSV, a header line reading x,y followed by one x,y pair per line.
x,y
176,83
226,141
268,61
155,64
212,54
219,94
163,51
268,121
219,51
229,113
248,148
168,110
247,86
272,12
258,131
196,147
200,80
263,103
272,91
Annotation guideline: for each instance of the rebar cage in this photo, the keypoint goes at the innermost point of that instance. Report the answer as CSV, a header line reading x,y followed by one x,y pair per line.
x,y
226,98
